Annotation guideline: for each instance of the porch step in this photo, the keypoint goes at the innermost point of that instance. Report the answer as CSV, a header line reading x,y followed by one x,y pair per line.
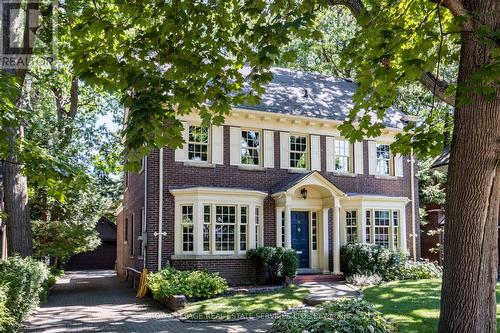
x,y
306,278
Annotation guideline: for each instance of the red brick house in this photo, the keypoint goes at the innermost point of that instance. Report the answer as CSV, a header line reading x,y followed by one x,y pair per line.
x,y
275,174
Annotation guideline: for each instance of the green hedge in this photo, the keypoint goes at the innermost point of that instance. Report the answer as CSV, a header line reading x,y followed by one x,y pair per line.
x,y
342,316
24,282
369,259
277,262
192,284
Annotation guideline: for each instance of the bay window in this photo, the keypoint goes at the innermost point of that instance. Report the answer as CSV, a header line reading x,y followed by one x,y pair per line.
x,y
382,227
216,221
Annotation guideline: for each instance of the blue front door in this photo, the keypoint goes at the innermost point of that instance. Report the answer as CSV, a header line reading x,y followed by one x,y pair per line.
x,y
300,237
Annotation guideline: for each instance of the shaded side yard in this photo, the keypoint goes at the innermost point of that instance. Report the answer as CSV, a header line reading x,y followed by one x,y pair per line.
x,y
412,305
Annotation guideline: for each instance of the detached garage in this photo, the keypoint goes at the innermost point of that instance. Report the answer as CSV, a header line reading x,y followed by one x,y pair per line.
x,y
104,256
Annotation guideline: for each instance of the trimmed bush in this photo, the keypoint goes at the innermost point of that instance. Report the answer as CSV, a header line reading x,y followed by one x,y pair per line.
x,y
192,284
342,316
364,280
370,259
24,281
6,319
420,270
277,262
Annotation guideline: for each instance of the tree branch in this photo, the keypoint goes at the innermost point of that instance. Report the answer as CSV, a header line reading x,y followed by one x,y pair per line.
x,y
428,80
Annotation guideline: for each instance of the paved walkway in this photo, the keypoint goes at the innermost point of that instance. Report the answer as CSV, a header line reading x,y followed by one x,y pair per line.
x,y
95,301
328,291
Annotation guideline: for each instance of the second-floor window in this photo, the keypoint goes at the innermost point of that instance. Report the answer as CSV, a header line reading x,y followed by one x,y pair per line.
x,y
250,147
384,164
198,143
343,156
298,151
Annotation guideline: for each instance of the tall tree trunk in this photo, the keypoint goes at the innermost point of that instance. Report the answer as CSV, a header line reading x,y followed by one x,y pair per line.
x,y
19,237
473,192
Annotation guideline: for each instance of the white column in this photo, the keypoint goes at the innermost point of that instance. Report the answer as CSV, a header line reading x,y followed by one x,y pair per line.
x,y
325,258
278,226
402,229
362,225
251,226
336,237
288,227
197,228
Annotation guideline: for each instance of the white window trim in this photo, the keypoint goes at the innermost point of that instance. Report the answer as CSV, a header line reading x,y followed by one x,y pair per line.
x,y
391,161
208,144
350,169
200,197
364,203
182,228
260,149
307,151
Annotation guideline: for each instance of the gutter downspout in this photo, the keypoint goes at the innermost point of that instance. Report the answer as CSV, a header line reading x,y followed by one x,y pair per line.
x,y
413,229
145,212
160,212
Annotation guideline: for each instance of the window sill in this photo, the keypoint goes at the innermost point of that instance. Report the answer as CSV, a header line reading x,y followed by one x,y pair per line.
x,y
207,256
251,168
343,174
386,177
297,170
199,164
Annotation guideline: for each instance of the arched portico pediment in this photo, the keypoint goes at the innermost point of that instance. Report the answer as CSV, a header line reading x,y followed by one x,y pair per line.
x,y
317,187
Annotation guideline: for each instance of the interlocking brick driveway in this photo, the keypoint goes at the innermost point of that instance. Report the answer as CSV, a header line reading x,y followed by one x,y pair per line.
x,y
95,301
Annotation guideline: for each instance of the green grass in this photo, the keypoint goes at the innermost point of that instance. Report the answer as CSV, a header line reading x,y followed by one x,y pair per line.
x,y
245,305
413,306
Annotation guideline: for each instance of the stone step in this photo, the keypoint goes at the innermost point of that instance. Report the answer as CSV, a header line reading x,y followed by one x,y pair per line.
x,y
299,279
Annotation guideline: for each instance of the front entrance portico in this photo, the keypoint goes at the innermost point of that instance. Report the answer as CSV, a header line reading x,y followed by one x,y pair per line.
x,y
309,198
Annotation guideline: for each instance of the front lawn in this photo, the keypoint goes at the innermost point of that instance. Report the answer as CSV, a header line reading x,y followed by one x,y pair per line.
x,y
245,305
413,306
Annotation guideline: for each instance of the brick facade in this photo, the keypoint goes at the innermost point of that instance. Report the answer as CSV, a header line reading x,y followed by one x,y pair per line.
x,y
177,174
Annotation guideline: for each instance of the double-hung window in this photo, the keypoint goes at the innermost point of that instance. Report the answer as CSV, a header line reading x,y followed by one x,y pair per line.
x,y
198,143
298,151
343,153
395,221
207,219
187,228
384,160
351,224
368,222
258,233
382,223
251,147
243,227
382,227
225,225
